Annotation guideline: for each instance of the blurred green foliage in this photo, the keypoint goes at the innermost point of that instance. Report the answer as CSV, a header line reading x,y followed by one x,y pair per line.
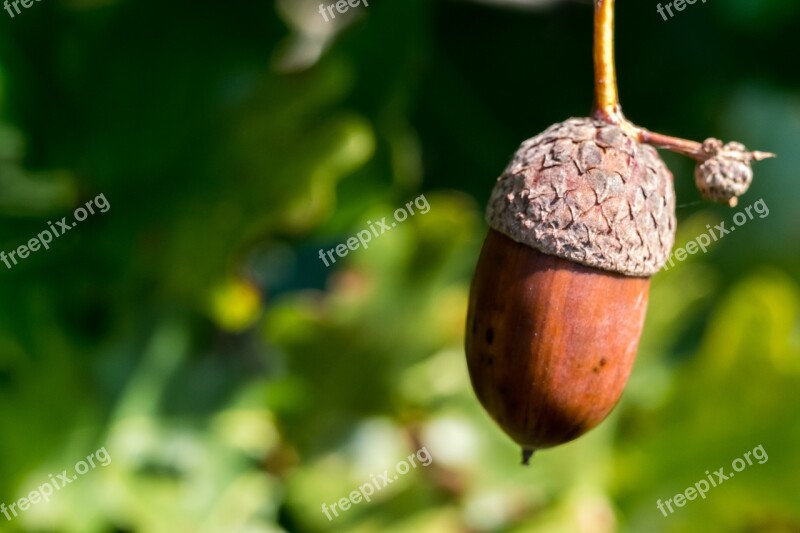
x,y
238,383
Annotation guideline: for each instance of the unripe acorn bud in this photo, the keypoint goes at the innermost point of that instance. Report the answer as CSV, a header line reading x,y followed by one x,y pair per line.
x,y
579,220
726,174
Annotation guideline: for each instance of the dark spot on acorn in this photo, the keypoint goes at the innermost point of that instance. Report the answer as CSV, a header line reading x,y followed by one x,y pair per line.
x,y
489,335
602,361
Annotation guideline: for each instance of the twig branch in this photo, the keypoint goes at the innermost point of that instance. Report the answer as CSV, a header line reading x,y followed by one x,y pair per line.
x,y
606,97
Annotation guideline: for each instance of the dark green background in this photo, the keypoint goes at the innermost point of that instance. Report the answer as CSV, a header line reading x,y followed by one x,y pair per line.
x,y
238,383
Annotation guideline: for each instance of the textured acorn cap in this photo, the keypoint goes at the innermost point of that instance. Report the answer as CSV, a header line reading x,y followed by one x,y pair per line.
x,y
726,174
585,191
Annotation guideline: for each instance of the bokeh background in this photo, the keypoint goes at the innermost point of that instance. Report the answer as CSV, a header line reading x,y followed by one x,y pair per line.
x,y
238,383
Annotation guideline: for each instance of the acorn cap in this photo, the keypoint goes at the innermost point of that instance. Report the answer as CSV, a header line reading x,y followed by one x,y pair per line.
x,y
726,174
585,191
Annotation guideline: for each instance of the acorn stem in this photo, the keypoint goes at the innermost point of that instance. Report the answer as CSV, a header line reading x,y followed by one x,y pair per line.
x,y
606,97
527,453
685,147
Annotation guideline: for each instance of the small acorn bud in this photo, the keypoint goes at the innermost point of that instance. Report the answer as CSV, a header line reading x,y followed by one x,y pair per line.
x,y
726,174
580,219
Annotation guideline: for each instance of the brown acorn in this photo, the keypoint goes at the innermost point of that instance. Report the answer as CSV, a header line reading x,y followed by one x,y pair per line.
x,y
579,220
582,216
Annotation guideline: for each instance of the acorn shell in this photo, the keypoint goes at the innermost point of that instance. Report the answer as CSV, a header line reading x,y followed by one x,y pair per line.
x,y
579,220
550,343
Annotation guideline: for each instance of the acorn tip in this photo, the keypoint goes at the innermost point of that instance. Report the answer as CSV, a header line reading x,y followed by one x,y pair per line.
x,y
527,453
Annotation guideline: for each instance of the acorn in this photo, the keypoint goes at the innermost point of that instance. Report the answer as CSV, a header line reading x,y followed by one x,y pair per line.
x,y
726,172
579,220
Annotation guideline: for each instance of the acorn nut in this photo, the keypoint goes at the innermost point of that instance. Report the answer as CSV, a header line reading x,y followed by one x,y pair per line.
x,y
581,217
579,220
